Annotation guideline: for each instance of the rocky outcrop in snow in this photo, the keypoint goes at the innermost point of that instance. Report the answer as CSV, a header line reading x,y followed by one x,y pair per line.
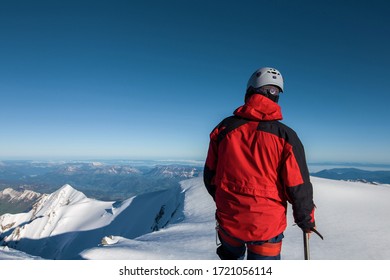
x,y
13,201
10,194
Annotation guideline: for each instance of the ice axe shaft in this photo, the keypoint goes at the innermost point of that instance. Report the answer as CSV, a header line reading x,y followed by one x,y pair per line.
x,y
306,245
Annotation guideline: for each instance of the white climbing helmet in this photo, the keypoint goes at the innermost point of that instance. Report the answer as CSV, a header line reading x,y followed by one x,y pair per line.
x,y
265,76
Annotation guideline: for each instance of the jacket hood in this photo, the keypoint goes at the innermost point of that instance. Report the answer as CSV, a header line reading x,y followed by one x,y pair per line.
x,y
259,108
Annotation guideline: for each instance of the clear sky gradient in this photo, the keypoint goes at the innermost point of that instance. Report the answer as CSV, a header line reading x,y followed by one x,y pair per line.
x,y
151,79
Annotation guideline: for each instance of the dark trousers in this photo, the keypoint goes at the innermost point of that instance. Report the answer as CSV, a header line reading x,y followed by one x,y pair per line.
x,y
257,250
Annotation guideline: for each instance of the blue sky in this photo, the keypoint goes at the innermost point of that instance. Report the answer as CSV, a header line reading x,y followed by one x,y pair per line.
x,y
151,79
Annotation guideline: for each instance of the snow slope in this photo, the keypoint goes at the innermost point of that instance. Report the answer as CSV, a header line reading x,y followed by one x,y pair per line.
x,y
192,238
352,216
11,254
179,224
63,224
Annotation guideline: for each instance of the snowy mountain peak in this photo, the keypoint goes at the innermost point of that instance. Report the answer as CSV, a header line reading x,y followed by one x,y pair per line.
x,y
64,196
67,192
64,223
66,189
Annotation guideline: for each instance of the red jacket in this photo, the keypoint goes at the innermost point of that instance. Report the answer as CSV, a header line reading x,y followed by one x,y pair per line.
x,y
255,164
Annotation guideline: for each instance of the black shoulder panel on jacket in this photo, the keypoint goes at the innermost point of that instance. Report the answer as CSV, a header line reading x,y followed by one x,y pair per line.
x,y
289,135
279,129
229,124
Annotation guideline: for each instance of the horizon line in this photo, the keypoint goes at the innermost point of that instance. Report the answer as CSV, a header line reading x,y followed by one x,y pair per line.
x,y
174,159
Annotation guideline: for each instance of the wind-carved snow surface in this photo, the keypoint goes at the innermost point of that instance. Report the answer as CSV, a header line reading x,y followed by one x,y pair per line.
x,y
179,224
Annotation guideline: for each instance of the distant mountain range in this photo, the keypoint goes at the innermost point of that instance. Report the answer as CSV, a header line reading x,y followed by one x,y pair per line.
x,y
98,180
175,171
22,182
355,174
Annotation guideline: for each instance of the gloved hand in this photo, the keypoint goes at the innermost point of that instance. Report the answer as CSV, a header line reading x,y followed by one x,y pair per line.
x,y
309,231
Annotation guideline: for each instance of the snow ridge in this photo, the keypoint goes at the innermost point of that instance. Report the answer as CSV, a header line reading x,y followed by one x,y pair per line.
x,y
63,224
